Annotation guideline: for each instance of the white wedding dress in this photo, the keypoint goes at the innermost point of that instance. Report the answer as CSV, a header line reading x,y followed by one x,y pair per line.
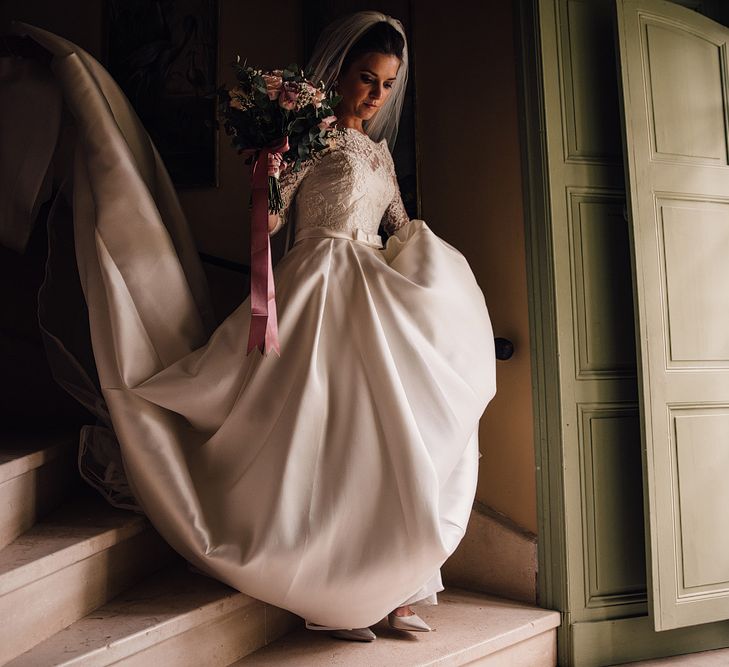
x,y
333,481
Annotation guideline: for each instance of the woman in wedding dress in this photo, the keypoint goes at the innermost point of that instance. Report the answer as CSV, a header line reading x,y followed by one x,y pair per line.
x,y
345,194
334,480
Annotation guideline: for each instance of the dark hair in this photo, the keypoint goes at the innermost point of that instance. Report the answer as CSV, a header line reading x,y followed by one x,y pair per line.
x,y
380,38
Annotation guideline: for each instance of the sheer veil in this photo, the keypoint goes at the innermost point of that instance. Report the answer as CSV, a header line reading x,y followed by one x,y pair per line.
x,y
335,42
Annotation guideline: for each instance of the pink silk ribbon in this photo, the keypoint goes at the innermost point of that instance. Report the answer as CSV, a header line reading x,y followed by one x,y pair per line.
x,y
263,332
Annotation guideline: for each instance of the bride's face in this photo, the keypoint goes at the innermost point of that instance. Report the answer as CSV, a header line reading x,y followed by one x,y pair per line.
x,y
366,85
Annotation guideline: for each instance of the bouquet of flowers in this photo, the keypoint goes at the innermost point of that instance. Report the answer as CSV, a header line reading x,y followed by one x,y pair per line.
x,y
278,119
278,108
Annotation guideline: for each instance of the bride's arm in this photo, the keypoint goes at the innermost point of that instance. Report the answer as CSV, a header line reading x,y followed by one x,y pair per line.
x,y
395,214
288,182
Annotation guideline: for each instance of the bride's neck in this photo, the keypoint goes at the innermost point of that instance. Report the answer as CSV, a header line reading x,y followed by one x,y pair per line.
x,y
351,122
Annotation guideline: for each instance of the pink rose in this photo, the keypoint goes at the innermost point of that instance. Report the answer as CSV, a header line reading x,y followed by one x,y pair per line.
x,y
326,123
289,94
273,85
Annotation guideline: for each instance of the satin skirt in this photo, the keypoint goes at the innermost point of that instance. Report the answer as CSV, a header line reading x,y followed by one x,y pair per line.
x,y
335,480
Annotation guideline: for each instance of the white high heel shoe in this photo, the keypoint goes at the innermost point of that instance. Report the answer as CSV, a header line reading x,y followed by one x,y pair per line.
x,y
355,634
352,634
412,622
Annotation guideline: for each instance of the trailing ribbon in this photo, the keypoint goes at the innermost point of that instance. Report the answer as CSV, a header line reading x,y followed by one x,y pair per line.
x,y
263,333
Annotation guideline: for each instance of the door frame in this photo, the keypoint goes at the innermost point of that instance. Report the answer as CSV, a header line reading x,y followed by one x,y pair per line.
x,y
552,560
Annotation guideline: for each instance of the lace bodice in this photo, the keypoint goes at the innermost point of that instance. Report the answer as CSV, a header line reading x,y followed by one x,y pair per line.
x,y
349,186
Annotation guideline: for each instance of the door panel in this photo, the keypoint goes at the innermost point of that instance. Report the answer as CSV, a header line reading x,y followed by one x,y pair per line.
x,y
674,74
603,290
694,242
591,121
701,461
614,530
684,86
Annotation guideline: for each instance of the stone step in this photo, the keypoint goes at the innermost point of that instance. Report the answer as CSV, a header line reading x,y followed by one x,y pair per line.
x,y
174,618
495,556
73,561
468,629
37,472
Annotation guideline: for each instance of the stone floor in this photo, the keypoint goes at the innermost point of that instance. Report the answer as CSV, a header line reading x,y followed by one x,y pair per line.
x,y
718,658
467,627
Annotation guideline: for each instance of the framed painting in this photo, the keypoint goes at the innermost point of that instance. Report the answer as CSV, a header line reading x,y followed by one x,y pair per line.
x,y
163,54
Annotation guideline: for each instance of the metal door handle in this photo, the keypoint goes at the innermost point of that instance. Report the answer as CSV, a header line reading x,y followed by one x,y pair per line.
x,y
504,348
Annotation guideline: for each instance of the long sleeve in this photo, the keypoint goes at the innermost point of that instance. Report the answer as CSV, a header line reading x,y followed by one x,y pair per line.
x,y
395,215
289,182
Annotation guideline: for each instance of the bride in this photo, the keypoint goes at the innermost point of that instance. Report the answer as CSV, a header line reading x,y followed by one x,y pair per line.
x,y
336,479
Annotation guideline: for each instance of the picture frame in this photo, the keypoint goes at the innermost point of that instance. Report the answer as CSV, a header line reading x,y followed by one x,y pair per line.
x,y
163,54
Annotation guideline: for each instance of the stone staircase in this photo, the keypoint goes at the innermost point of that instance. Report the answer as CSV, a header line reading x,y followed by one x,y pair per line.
x,y
468,629
84,583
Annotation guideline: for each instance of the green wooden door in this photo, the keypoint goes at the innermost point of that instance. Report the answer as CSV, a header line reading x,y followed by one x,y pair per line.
x,y
592,555
674,75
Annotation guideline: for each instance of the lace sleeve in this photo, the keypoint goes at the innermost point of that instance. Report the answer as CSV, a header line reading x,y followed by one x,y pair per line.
x,y
395,214
289,183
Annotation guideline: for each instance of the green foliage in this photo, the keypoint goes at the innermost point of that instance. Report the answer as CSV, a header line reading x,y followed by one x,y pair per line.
x,y
253,120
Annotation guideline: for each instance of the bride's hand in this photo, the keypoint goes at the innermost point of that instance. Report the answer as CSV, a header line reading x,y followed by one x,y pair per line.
x,y
276,164
273,222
